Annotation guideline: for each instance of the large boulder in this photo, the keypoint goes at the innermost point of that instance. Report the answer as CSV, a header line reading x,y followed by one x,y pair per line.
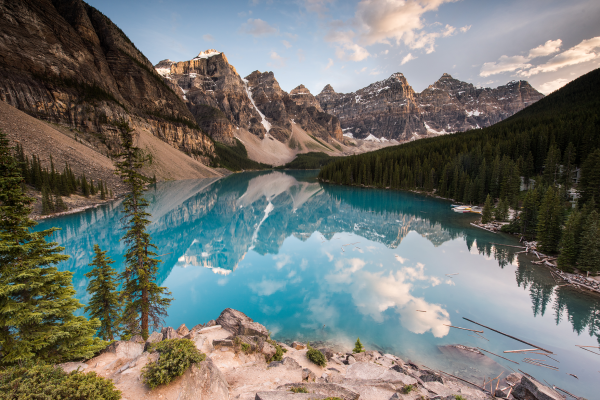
x,y
530,389
298,346
169,333
204,381
327,352
268,350
125,350
182,330
239,323
288,363
154,337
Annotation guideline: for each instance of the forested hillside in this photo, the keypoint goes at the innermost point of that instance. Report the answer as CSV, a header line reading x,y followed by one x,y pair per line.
x,y
561,129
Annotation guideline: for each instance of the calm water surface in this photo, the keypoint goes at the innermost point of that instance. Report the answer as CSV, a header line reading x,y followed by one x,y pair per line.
x,y
326,263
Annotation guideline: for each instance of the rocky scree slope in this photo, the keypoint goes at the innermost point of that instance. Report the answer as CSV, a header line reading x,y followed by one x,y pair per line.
x,y
237,367
391,109
65,62
223,102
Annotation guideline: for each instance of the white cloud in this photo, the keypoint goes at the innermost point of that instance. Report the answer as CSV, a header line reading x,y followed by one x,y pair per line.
x,y
257,27
351,52
292,36
407,58
551,86
361,71
208,37
267,287
329,64
401,260
585,51
505,64
550,47
282,260
383,21
465,28
286,44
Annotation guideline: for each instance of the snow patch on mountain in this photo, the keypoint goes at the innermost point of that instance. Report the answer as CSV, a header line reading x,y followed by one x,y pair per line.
x,y
206,54
264,121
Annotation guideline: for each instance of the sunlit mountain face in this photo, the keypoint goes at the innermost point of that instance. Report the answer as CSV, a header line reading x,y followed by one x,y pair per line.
x,y
327,263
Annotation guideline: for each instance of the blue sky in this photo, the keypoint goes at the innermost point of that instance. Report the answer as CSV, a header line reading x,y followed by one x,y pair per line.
x,y
350,44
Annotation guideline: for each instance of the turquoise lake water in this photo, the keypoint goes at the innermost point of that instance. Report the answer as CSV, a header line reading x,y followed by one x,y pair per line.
x,y
319,262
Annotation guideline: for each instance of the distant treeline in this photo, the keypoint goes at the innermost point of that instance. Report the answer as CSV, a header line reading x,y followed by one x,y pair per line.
x,y
54,184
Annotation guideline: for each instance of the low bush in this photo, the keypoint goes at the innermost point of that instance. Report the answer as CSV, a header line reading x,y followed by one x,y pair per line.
x,y
278,356
298,389
316,356
176,356
459,397
408,388
48,382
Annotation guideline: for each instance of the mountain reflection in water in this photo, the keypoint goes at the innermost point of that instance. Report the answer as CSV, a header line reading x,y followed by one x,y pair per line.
x,y
321,262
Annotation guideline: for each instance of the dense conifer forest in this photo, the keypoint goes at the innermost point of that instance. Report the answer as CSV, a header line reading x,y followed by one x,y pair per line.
x,y
541,147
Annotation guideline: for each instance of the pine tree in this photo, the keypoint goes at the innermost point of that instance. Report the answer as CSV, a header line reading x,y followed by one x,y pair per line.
x,y
550,221
145,301
358,347
569,242
85,189
589,258
589,185
36,300
486,214
102,191
104,303
501,212
92,188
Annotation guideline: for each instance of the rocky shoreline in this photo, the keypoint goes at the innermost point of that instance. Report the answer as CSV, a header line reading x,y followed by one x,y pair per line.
x,y
239,366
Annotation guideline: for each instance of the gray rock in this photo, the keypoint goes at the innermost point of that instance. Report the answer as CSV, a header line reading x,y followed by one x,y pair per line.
x,y
223,343
239,323
137,339
73,366
196,328
268,350
298,346
182,330
154,337
367,356
530,389
308,375
127,350
204,381
385,361
395,396
325,389
287,362
210,323
351,360
399,368
327,352
430,376
169,333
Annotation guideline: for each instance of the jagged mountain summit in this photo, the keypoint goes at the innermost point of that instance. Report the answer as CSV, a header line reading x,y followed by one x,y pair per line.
x,y
391,109
223,102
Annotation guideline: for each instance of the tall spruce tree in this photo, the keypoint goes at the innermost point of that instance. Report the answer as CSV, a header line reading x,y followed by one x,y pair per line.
x,y
589,185
488,208
550,221
104,304
569,242
589,257
37,320
145,301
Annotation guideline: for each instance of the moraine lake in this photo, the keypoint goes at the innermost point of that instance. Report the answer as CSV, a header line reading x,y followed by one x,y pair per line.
x,y
320,262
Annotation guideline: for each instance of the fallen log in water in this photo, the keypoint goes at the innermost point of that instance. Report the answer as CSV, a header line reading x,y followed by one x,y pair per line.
x,y
498,356
512,337
464,329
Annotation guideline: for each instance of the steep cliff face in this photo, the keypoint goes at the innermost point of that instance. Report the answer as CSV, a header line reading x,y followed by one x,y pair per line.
x,y
215,94
281,108
391,109
222,101
64,61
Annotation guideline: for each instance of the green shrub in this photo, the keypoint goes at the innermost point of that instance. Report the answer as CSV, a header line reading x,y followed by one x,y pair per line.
x,y
459,397
358,347
48,382
333,398
176,356
278,356
298,389
245,347
316,356
408,388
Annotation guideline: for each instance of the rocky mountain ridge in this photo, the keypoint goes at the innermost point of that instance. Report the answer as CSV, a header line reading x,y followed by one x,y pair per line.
x,y
222,101
391,109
